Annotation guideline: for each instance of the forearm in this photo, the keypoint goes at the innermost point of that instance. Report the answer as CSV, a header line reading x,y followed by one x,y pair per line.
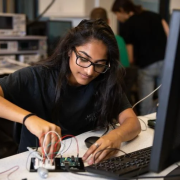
x,y
130,51
128,130
11,112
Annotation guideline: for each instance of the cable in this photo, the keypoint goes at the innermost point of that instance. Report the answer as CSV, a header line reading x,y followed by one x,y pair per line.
x,y
77,173
76,142
27,160
146,96
107,129
17,167
52,2
68,147
144,124
44,149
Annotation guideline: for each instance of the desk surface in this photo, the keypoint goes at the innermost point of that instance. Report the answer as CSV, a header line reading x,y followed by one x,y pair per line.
x,y
144,139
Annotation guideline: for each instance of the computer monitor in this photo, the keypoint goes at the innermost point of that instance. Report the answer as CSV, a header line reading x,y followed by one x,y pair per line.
x,y
166,144
53,29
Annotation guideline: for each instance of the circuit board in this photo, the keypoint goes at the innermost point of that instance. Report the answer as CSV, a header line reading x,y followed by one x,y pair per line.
x,y
59,165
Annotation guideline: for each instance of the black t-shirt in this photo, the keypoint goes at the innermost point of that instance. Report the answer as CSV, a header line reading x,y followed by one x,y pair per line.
x,y
33,89
146,33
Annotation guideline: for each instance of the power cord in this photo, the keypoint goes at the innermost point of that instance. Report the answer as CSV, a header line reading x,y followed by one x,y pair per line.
x,y
144,124
146,96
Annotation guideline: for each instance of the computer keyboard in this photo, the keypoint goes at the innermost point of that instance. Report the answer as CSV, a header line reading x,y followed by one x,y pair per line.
x,y
130,165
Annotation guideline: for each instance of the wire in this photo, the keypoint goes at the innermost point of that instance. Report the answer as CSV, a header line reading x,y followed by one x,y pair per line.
x,y
77,173
107,129
17,167
44,149
144,124
51,3
68,147
76,142
27,160
146,96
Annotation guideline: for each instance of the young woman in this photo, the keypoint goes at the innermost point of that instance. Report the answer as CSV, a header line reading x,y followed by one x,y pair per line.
x,y
77,89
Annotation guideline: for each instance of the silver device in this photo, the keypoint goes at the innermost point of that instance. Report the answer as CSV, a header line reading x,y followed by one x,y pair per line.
x,y
4,57
12,24
29,58
8,46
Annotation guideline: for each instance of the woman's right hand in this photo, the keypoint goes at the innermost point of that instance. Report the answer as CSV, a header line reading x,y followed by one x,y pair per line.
x,y
39,127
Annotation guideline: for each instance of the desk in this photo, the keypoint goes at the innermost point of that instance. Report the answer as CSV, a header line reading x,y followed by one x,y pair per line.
x,y
144,139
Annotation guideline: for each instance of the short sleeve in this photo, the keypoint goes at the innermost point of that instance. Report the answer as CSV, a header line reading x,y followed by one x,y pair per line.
x,y
15,85
125,104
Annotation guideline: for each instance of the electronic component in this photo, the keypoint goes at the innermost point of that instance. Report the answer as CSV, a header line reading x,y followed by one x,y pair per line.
x,y
8,46
129,165
47,164
30,58
60,164
43,173
12,24
5,57
23,45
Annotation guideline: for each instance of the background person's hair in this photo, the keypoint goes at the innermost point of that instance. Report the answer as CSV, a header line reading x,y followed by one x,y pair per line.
x,y
99,13
127,6
109,89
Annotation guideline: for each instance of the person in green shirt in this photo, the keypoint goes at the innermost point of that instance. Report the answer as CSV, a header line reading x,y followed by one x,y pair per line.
x,y
101,13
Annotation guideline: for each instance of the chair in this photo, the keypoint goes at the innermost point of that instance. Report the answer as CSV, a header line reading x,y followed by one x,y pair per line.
x,y
8,146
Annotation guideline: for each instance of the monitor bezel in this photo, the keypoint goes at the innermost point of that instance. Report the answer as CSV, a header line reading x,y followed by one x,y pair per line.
x,y
163,154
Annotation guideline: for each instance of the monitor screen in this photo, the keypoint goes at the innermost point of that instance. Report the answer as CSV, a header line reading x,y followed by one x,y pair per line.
x,y
6,22
56,30
53,29
166,144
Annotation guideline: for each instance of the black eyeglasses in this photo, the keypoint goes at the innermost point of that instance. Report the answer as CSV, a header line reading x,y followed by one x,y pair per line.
x,y
85,63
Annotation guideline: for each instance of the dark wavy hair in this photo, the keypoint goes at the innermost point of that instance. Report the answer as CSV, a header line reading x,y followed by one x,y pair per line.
x,y
127,6
109,90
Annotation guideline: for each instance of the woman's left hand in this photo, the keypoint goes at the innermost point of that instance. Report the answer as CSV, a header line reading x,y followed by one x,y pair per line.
x,y
111,140
128,130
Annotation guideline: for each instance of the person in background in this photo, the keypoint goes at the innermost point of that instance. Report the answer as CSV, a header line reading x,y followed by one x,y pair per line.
x,y
101,13
130,71
145,34
77,89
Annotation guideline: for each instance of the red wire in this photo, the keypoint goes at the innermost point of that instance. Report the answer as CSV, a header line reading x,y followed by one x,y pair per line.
x,y
17,167
43,148
69,135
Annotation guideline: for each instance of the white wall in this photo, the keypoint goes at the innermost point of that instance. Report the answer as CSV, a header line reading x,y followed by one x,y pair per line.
x,y
174,4
76,10
107,4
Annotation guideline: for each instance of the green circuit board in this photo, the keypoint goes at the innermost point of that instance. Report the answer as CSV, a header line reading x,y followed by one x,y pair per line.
x,y
71,161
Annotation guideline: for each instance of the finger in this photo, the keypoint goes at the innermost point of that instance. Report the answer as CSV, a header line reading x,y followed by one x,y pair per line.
x,y
41,139
47,144
56,142
94,156
91,150
106,154
58,130
52,146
